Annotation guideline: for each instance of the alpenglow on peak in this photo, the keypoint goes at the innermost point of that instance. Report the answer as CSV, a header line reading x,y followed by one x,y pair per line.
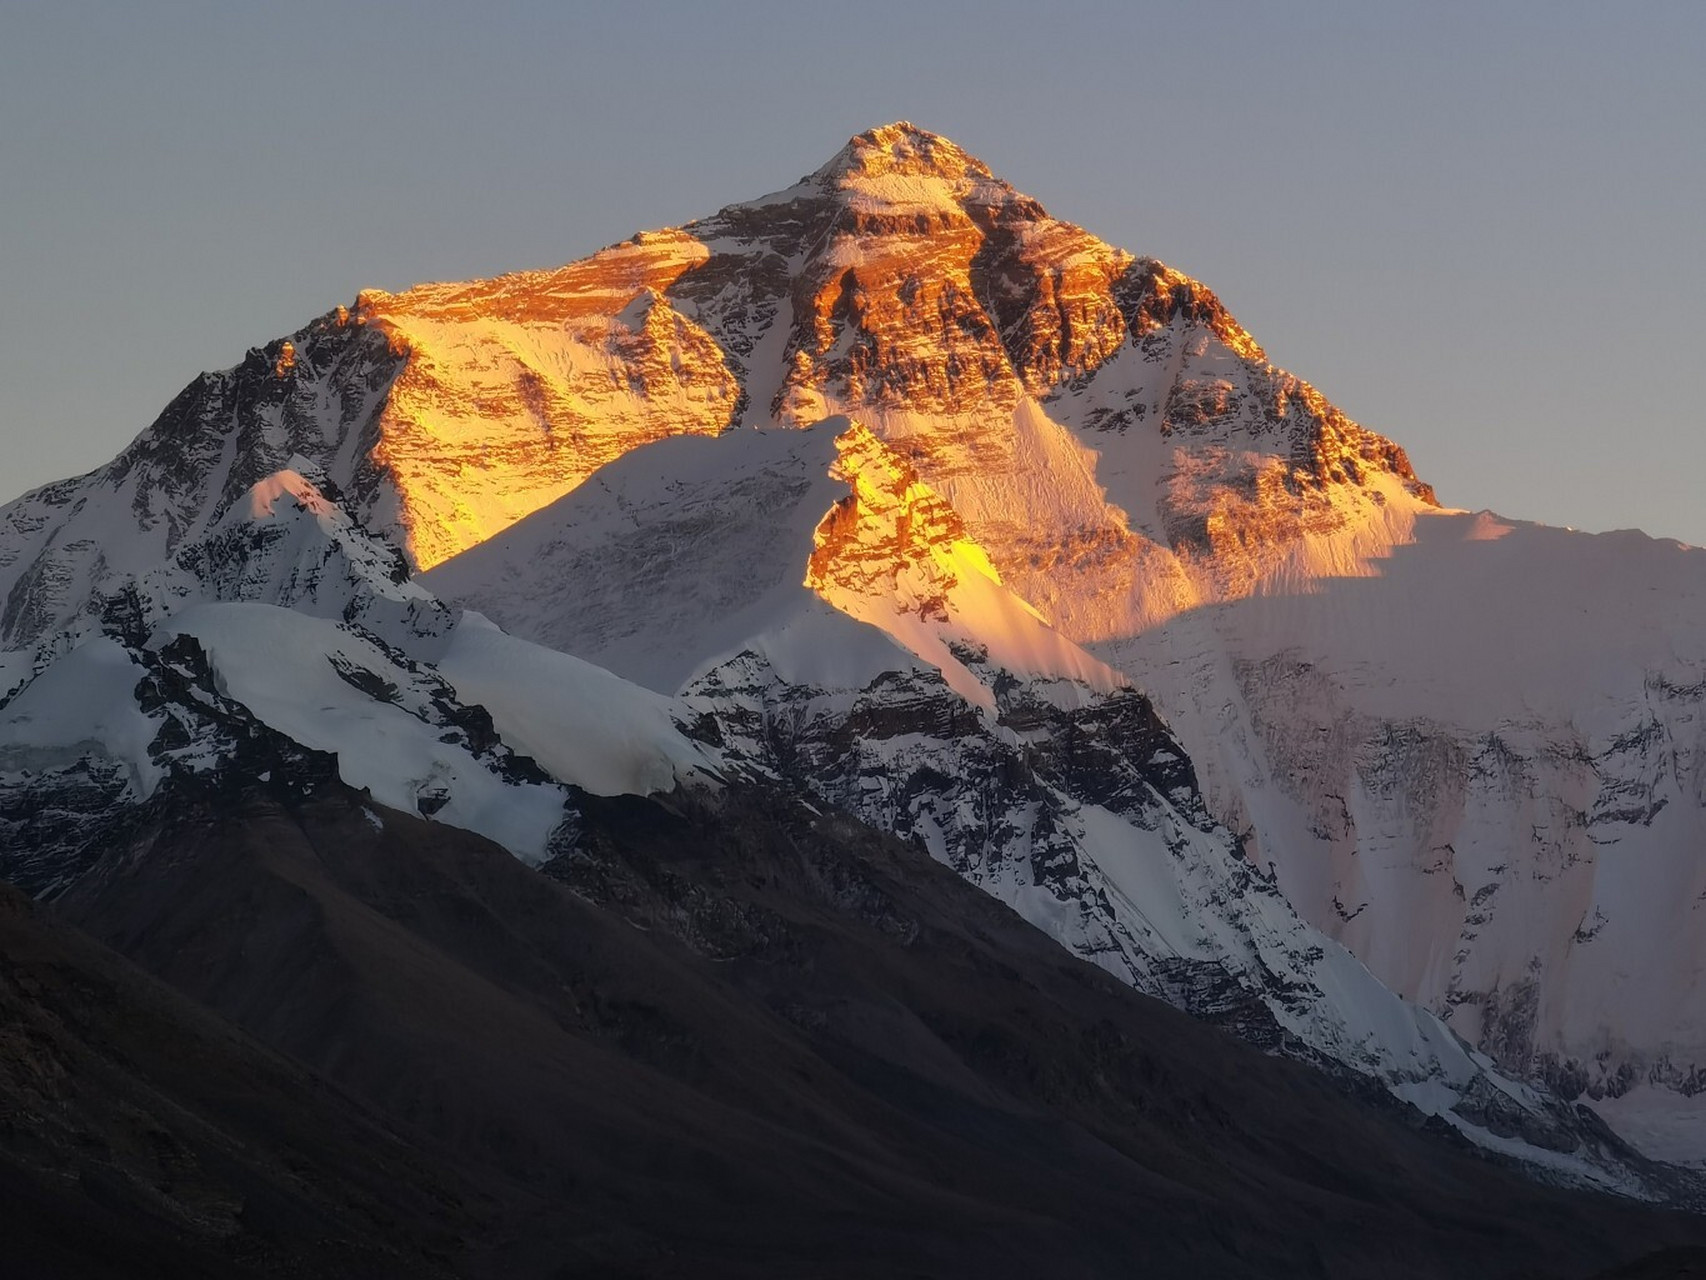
x,y
899,279
903,148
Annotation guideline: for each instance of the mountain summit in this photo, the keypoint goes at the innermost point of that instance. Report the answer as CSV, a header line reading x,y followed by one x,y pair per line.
x,y
900,279
902,149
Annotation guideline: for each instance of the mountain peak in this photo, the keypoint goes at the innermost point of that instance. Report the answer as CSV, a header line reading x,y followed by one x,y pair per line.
x,y
900,166
902,147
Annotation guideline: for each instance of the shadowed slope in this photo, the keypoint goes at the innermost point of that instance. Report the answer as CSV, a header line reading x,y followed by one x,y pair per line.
x,y
141,1136
784,1043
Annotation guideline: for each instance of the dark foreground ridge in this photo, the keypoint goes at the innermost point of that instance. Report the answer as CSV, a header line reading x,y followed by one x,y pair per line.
x,y
745,1039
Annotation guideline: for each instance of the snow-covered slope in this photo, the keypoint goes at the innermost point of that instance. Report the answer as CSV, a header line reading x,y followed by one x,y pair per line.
x,y
1218,533
901,282
1481,769
308,403
977,731
931,484
285,543
582,724
287,640
691,550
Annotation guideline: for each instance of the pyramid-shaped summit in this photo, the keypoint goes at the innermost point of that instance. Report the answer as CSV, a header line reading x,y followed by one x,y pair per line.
x,y
902,149
900,279
901,282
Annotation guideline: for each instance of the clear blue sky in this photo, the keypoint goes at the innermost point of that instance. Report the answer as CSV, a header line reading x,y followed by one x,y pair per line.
x,y
1479,228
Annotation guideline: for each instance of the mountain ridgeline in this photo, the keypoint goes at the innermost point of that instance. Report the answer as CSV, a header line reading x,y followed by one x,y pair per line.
x,y
882,517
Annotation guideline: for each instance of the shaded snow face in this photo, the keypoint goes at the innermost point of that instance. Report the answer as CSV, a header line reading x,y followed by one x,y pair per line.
x,y
336,691
1478,766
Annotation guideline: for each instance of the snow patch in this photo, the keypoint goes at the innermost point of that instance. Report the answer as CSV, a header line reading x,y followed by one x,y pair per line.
x,y
580,722
285,667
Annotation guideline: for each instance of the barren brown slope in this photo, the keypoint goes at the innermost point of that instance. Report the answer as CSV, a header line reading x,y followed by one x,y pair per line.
x,y
142,1136
760,1041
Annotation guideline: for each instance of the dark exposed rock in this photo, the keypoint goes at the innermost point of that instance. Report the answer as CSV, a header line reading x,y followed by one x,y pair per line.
x,y
716,1012
142,1136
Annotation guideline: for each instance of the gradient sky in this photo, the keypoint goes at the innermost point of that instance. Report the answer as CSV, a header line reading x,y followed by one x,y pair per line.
x,y
1478,228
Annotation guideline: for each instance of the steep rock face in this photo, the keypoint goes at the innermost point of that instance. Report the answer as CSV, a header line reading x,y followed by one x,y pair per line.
x,y
890,532
893,553
514,391
997,348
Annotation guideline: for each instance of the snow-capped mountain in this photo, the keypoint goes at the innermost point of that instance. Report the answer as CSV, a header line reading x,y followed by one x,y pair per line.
x,y
894,492
286,631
